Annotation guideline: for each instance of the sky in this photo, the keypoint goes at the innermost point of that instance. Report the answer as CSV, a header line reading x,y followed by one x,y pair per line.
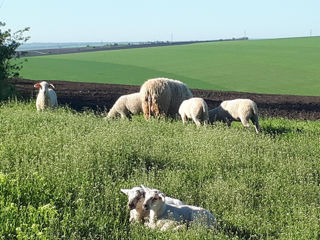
x,y
162,20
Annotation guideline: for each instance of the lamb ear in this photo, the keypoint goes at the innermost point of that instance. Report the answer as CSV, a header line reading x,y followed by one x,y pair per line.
x,y
51,85
162,196
37,85
125,191
145,188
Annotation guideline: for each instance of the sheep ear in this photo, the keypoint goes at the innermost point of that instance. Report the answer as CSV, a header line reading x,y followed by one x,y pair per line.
x,y
37,85
51,85
125,191
162,196
145,188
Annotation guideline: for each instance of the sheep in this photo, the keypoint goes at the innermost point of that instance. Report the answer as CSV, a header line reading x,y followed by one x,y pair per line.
x,y
126,106
176,215
47,97
162,97
236,110
135,200
196,109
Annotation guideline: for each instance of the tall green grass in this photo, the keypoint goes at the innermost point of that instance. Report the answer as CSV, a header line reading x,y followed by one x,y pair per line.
x,y
61,174
281,66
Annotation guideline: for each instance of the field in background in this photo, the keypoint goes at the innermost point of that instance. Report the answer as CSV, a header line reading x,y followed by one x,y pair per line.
x,y
281,66
61,174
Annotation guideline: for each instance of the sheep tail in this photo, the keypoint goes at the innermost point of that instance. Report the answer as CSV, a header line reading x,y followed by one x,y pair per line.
x,y
146,106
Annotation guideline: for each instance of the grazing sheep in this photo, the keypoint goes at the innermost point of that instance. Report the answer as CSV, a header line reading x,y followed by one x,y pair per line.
x,y
236,110
47,97
176,214
162,97
136,198
126,106
196,109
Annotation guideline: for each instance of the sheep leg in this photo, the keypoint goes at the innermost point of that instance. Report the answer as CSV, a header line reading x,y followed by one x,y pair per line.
x,y
198,123
245,122
184,118
228,122
195,119
255,122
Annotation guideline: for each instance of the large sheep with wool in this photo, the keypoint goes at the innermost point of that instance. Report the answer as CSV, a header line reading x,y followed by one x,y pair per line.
x,y
195,109
126,106
241,110
162,97
47,97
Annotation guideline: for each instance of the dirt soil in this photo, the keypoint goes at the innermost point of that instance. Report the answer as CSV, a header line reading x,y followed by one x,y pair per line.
x,y
99,97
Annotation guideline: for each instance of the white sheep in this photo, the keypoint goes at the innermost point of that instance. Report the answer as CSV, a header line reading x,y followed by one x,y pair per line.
x,y
162,97
195,109
236,110
47,97
136,198
126,106
173,216
135,201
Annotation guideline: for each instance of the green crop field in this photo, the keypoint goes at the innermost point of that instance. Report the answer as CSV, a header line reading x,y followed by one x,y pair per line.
x,y
61,174
281,66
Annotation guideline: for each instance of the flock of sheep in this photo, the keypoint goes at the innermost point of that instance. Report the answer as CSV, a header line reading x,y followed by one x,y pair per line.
x,y
167,97
163,97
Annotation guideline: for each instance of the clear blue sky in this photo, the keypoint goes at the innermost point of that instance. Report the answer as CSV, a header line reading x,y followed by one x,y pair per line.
x,y
151,20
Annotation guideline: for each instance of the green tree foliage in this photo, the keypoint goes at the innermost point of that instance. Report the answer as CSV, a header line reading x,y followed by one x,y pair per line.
x,y
9,64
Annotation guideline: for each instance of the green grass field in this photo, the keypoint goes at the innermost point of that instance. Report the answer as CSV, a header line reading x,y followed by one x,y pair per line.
x,y
281,66
61,174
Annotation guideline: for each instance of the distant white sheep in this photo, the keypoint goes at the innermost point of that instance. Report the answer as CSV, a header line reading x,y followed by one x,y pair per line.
x,y
162,97
126,106
236,110
195,109
47,97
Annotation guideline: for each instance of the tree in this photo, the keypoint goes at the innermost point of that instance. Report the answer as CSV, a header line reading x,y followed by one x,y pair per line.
x,y
9,64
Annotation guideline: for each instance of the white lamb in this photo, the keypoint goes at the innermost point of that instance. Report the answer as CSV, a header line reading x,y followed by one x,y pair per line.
x,y
173,216
195,109
126,106
136,197
47,97
236,110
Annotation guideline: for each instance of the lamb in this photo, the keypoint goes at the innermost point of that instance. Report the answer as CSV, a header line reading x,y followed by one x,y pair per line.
x,y
126,106
196,109
136,198
47,97
135,201
162,97
173,215
236,110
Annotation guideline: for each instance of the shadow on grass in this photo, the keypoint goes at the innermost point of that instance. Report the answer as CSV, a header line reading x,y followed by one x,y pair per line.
x,y
279,130
241,232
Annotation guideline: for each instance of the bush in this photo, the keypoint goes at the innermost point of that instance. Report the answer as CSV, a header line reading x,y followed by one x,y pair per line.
x,y
9,66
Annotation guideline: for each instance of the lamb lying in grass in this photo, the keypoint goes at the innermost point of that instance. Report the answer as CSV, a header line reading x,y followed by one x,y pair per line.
x,y
173,216
47,97
126,106
195,109
136,197
236,110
